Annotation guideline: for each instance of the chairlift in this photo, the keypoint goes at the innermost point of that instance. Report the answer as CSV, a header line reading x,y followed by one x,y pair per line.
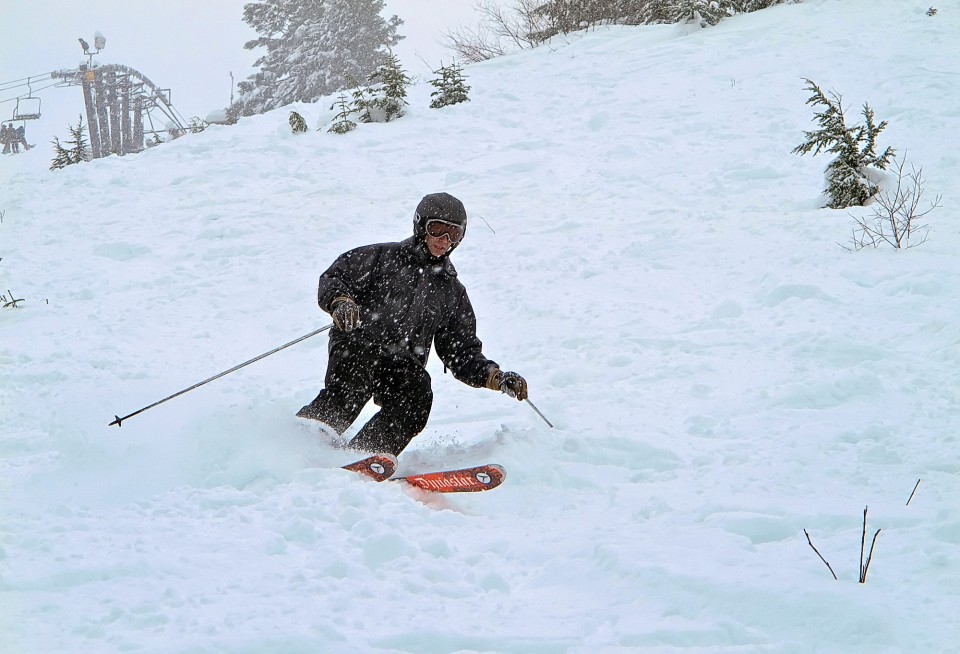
x,y
28,106
27,109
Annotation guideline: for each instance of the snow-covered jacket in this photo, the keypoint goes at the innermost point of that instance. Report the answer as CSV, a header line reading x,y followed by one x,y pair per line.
x,y
408,300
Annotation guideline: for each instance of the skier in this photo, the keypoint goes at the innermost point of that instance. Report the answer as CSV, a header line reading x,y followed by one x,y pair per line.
x,y
5,138
21,137
390,303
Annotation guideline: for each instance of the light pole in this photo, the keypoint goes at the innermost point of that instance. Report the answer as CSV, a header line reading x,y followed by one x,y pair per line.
x,y
99,42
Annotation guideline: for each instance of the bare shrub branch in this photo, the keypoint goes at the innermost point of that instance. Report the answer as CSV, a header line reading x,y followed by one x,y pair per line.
x,y
12,301
863,541
500,30
897,218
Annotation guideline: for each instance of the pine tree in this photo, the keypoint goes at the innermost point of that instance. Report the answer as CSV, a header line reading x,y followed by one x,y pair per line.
x,y
197,125
564,16
389,90
855,149
313,48
74,151
451,87
61,157
386,95
297,123
342,123
656,11
79,148
704,12
362,102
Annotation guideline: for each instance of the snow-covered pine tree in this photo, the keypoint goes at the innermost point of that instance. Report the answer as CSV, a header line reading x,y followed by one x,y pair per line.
x,y
75,150
298,123
704,12
747,6
313,48
848,183
395,82
79,147
342,123
197,125
386,95
656,11
362,100
451,86
565,16
61,156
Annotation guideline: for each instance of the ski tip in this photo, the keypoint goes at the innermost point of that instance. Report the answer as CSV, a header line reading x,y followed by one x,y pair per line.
x,y
378,467
494,475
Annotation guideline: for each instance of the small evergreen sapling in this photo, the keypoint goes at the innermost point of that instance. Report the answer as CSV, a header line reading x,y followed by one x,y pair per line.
x,y
297,123
61,157
198,124
848,183
73,151
362,102
451,87
342,123
386,95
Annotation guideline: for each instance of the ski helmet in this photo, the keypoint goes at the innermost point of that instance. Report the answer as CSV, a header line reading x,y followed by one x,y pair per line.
x,y
438,206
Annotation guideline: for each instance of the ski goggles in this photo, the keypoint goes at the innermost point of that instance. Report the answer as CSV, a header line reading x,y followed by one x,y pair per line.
x,y
438,229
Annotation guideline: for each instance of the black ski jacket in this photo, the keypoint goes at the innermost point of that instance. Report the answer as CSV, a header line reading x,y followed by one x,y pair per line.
x,y
408,300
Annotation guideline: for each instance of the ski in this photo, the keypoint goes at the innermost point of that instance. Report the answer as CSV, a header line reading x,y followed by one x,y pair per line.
x,y
376,466
464,480
381,467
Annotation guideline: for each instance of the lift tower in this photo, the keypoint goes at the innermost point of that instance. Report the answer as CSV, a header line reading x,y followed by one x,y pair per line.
x,y
120,103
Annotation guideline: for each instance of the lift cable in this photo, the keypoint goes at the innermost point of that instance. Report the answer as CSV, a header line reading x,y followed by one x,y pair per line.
x,y
24,81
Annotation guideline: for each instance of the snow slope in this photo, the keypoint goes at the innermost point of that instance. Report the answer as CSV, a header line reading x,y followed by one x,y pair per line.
x,y
643,248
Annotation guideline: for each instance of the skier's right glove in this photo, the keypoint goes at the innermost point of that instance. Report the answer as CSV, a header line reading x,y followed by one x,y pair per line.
x,y
346,314
508,382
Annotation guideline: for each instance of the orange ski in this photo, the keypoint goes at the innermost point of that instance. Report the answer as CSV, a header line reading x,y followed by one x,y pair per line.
x,y
465,480
377,466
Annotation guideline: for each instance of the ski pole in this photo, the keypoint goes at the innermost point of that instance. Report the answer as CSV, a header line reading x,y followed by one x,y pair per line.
x,y
539,413
118,420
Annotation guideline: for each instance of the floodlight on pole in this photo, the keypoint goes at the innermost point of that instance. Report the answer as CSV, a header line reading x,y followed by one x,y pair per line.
x,y
99,42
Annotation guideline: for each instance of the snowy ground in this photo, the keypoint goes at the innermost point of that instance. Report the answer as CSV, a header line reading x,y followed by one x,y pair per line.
x,y
643,248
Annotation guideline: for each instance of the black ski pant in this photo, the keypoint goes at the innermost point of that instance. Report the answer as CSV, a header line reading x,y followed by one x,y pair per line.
x,y
398,384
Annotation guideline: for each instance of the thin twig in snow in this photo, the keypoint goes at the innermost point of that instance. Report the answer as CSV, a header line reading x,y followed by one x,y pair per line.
x,y
820,555
863,575
863,542
914,491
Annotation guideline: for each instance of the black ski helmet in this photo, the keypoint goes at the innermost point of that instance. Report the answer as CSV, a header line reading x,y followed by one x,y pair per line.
x,y
438,206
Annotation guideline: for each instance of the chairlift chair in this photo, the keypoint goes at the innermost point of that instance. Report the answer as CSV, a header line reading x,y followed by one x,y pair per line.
x,y
27,108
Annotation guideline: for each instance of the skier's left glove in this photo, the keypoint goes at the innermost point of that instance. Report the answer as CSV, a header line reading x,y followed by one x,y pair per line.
x,y
507,382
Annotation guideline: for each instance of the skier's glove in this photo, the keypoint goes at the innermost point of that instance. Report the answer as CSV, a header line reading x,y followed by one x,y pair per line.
x,y
346,314
508,382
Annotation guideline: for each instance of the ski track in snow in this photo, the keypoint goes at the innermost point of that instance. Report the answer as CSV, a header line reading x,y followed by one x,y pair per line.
x,y
643,248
